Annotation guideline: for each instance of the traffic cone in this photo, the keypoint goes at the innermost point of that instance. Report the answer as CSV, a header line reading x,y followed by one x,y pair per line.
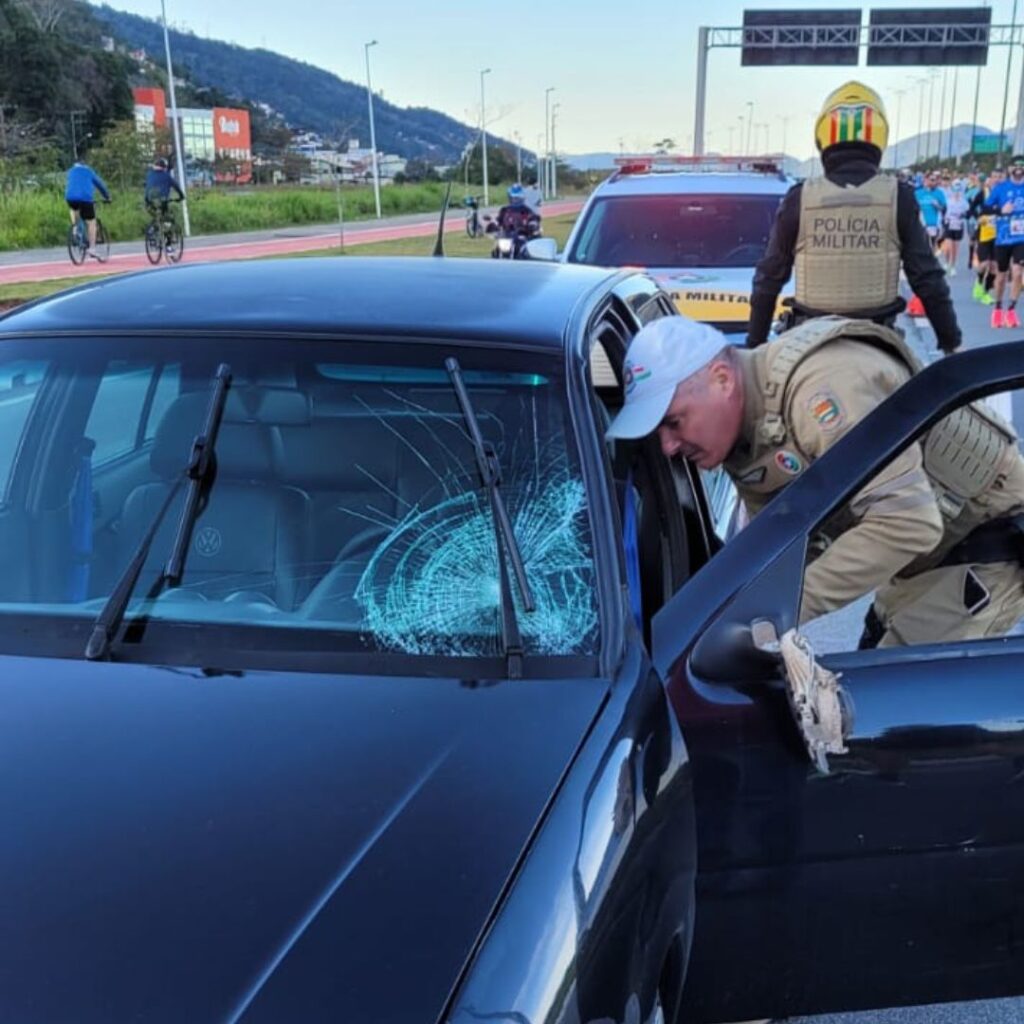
x,y
915,307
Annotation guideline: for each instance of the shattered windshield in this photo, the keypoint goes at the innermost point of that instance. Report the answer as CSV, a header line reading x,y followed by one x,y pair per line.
x,y
347,501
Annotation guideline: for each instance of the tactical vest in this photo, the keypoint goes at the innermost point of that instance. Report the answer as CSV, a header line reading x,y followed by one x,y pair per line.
x,y
847,256
965,454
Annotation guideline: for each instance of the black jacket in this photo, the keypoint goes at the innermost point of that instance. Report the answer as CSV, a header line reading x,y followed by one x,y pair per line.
x,y
853,164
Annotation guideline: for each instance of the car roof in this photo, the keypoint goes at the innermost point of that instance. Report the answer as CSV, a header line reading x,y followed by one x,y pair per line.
x,y
518,302
690,183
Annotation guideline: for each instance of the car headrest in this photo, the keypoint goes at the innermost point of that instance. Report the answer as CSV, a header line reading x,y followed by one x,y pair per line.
x,y
248,444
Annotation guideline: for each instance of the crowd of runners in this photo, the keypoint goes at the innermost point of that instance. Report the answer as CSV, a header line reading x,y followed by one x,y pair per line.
x,y
982,216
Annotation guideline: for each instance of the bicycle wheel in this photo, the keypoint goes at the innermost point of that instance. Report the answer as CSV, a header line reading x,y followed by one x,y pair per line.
x,y
76,244
174,243
154,243
102,249
470,230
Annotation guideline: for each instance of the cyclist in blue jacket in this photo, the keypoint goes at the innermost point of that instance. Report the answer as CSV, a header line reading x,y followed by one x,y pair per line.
x,y
80,195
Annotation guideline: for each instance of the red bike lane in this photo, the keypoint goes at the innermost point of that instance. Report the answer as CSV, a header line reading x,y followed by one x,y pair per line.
x,y
214,253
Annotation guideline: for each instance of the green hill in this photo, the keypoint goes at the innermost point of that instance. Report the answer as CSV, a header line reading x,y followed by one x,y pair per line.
x,y
308,97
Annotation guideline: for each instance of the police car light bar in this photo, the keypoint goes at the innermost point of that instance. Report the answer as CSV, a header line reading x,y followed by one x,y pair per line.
x,y
767,164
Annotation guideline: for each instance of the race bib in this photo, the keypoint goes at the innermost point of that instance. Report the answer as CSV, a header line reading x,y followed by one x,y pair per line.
x,y
1017,226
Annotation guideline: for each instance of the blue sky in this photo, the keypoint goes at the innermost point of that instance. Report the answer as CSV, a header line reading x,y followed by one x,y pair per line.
x,y
624,73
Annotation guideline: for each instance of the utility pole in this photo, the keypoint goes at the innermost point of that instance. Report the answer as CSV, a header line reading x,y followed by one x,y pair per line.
x,y
519,158
483,131
178,148
373,133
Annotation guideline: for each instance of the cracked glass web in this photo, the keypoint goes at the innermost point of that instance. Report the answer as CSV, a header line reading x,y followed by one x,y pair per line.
x,y
431,585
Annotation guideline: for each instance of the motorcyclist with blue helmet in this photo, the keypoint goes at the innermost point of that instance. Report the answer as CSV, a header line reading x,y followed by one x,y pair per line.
x,y
516,217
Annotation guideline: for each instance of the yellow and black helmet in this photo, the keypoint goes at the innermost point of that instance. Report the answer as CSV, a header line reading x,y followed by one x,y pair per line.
x,y
853,113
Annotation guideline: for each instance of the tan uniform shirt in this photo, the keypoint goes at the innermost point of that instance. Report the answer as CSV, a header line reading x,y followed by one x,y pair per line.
x,y
893,519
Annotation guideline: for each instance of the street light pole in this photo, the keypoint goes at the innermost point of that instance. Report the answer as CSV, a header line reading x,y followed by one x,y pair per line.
x,y
483,131
545,190
178,149
373,133
750,124
1006,86
896,133
931,102
519,158
554,152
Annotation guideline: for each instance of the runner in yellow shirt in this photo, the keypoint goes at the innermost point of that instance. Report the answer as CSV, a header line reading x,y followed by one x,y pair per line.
x,y
984,249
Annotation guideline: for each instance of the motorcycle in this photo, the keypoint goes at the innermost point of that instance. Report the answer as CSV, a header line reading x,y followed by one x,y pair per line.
x,y
511,244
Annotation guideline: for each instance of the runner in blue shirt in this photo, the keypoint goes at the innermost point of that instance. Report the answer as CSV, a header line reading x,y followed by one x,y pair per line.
x,y
80,195
932,203
1006,200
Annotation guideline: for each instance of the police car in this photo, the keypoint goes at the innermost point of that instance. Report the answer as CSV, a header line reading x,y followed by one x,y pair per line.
x,y
698,225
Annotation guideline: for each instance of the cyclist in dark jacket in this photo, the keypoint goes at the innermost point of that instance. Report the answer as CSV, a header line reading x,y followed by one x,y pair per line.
x,y
159,182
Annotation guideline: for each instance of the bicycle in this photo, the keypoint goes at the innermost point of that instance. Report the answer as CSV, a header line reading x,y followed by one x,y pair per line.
x,y
78,242
162,236
474,227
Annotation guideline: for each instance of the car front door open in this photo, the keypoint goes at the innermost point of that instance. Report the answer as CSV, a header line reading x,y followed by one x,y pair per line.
x,y
897,877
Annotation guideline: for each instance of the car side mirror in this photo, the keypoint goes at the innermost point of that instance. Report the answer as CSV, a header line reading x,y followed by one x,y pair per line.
x,y
541,249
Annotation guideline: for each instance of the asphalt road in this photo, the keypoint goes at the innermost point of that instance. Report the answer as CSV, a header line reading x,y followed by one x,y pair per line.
x,y
840,632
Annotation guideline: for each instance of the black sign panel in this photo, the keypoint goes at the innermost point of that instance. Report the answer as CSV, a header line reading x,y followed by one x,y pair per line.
x,y
772,38
932,36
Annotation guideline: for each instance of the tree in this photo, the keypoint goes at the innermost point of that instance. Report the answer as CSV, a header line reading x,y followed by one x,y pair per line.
x,y
123,156
46,14
664,146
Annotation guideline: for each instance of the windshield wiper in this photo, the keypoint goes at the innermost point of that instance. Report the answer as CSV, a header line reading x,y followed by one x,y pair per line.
x,y
199,473
504,536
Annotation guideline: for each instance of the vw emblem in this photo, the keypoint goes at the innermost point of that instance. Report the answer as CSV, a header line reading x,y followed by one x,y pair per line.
x,y
208,541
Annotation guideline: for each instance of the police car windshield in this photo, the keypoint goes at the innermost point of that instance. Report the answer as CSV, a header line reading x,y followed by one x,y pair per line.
x,y
676,231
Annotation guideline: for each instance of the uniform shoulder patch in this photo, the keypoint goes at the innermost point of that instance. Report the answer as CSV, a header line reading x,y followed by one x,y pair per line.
x,y
827,411
789,462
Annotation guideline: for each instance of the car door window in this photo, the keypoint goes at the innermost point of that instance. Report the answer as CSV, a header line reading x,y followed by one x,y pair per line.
x,y
952,542
167,387
19,385
116,417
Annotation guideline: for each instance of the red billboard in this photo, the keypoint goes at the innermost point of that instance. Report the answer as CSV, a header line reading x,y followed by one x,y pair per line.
x,y
231,133
152,98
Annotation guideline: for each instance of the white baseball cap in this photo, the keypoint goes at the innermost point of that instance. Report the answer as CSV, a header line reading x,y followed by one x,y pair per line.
x,y
660,356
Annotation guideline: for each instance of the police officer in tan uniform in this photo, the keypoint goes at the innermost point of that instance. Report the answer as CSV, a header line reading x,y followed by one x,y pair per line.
x,y
933,535
846,234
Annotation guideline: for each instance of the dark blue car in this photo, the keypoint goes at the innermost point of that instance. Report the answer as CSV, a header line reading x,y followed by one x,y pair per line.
x,y
346,674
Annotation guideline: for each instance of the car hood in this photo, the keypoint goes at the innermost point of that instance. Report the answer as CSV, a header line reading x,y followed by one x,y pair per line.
x,y
189,846
719,295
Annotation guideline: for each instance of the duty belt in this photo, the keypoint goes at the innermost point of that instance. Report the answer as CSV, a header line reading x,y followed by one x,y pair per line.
x,y
1001,540
793,313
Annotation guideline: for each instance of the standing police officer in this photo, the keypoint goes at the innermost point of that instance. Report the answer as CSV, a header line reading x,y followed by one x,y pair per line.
x,y
848,232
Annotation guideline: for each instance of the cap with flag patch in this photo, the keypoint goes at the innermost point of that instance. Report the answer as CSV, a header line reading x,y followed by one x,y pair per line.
x,y
664,353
